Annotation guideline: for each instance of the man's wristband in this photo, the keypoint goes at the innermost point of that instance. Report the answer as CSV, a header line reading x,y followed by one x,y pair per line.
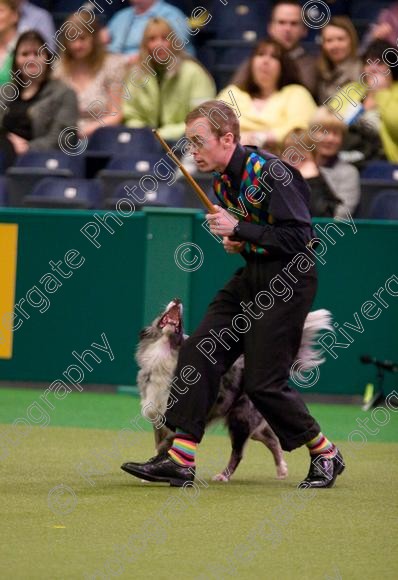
x,y
235,233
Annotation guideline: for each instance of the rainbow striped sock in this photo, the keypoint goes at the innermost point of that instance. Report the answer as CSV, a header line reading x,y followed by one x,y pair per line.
x,y
320,445
183,449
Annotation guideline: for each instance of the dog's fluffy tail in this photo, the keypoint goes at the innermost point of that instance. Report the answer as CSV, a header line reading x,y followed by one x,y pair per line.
x,y
308,355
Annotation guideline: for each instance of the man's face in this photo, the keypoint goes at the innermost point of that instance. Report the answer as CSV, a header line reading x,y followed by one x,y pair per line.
x,y
286,26
210,152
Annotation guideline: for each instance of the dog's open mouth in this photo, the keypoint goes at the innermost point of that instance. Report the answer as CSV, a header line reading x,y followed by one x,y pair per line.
x,y
172,317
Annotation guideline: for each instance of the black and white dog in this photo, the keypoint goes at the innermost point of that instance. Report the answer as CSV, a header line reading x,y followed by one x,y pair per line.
x,y
157,355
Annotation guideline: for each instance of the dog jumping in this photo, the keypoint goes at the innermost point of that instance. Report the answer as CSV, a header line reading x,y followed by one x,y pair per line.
x,y
156,357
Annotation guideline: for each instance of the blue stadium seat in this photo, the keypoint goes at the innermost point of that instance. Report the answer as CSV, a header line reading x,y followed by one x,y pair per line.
x,y
52,160
385,205
369,190
137,162
34,166
205,181
121,140
185,5
65,193
368,9
108,142
163,195
68,6
133,166
46,4
380,170
3,191
240,19
223,57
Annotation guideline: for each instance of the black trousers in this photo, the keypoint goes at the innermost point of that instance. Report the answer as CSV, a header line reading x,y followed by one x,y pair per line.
x,y
270,344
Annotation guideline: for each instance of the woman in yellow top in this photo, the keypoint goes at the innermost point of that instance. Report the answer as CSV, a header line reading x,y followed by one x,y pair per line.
x,y
370,108
270,102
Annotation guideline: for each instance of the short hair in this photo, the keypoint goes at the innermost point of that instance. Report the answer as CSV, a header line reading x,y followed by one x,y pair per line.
x,y
375,51
244,78
11,4
324,117
282,2
225,122
35,38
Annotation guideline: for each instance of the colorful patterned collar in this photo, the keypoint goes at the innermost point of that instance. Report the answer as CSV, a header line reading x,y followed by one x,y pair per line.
x,y
233,171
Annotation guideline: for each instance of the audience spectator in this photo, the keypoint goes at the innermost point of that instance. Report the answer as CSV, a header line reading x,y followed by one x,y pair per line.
x,y
339,62
385,27
126,27
177,84
270,101
32,17
43,108
323,202
287,27
342,177
382,101
95,75
360,111
8,36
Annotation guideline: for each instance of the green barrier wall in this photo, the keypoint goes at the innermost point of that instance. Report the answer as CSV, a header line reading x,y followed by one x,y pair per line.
x,y
124,283
106,294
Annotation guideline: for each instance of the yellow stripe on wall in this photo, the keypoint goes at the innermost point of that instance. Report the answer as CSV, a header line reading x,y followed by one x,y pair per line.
x,y
8,274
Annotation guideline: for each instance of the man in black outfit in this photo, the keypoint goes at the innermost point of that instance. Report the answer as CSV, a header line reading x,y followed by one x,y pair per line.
x,y
264,215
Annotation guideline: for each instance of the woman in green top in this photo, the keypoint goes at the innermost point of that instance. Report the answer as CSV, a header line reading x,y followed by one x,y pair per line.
x,y
8,36
166,85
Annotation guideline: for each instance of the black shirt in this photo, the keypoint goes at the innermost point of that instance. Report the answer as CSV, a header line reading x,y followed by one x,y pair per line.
x,y
287,200
17,120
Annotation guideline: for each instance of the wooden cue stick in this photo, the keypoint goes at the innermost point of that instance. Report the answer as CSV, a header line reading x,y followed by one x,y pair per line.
x,y
199,191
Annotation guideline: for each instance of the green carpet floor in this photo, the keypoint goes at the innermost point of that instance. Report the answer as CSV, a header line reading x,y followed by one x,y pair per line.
x,y
69,512
108,411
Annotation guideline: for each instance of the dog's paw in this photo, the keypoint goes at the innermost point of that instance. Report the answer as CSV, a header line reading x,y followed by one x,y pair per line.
x,y
282,471
221,477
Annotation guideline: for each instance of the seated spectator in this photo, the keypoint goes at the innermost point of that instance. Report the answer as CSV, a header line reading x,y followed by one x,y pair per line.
x,y
342,177
33,17
177,84
360,111
43,107
8,36
270,101
323,202
385,99
126,27
95,75
339,62
287,27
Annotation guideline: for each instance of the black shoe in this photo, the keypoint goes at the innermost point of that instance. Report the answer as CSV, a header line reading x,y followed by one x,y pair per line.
x,y
323,471
161,468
